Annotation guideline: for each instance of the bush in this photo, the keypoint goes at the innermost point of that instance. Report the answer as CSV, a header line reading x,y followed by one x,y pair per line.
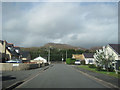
x,y
92,66
99,68
70,61
111,69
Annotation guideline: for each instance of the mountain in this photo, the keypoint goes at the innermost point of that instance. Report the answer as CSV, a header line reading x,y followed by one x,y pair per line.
x,y
61,46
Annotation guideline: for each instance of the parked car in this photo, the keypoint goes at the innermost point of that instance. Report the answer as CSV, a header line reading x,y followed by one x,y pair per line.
x,y
77,62
14,61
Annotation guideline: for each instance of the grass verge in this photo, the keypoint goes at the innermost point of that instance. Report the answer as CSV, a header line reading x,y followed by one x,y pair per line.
x,y
102,72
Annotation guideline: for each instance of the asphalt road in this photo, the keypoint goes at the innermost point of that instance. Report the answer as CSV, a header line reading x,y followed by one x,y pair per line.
x,y
61,76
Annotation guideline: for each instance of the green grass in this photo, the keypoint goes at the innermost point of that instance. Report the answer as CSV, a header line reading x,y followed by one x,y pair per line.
x,y
102,72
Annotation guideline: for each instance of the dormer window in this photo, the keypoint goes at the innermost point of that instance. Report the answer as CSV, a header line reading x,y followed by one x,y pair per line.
x,y
9,48
17,51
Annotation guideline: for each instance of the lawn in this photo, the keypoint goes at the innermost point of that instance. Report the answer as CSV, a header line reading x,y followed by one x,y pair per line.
x,y
103,72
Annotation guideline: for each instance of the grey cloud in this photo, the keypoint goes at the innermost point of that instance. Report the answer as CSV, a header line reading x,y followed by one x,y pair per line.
x,y
70,23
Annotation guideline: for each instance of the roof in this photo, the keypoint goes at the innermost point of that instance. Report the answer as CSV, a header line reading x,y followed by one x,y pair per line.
x,y
88,55
116,48
25,54
9,45
78,56
16,47
13,52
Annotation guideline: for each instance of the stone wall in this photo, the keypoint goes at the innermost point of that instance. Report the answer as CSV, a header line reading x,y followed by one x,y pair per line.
x,y
19,66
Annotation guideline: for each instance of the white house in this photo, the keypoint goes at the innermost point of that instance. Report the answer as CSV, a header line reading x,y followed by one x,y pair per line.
x,y
115,50
89,59
40,59
112,50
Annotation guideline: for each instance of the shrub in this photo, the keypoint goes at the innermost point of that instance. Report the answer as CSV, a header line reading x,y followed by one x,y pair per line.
x,y
99,68
92,66
111,69
70,61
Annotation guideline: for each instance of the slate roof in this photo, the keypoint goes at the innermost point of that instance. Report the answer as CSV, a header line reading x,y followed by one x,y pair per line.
x,y
88,55
12,50
116,48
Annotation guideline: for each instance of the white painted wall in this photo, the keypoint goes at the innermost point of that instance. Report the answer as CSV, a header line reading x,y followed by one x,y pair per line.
x,y
87,60
111,51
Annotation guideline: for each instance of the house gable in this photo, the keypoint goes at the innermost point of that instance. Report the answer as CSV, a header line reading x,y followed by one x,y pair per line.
x,y
111,50
115,48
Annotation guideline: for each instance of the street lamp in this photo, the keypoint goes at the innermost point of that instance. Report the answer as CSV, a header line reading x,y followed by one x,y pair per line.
x,y
49,55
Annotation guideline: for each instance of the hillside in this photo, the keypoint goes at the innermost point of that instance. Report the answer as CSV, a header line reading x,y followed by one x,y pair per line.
x,y
61,46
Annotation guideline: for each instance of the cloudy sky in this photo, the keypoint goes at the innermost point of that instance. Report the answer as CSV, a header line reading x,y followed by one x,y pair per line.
x,y
85,24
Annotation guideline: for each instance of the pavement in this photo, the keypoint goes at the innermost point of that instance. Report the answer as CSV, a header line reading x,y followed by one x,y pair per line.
x,y
0,80
61,76
109,79
9,78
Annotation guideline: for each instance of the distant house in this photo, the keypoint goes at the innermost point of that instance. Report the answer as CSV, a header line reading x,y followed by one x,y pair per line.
x,y
78,56
25,56
89,59
115,50
39,60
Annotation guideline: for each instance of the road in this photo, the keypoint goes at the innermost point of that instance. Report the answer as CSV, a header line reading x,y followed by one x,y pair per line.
x,y
11,77
0,80
61,76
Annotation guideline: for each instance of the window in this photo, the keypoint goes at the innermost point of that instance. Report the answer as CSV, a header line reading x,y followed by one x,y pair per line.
x,y
90,61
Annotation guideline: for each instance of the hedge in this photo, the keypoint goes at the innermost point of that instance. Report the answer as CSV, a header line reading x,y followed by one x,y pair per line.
x,y
92,66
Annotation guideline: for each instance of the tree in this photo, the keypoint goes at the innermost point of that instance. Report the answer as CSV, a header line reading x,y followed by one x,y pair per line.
x,y
103,58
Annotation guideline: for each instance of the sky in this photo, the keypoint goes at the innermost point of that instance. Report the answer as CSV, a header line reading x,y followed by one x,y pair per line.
x,y
84,24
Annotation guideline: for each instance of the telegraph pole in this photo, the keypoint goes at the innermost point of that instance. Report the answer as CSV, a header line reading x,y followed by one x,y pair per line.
x,y
49,55
62,58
